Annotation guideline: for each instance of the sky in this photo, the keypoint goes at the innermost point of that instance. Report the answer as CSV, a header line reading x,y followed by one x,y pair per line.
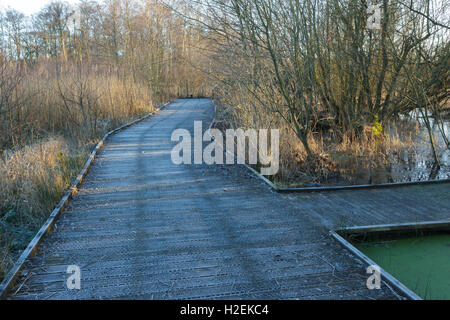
x,y
27,6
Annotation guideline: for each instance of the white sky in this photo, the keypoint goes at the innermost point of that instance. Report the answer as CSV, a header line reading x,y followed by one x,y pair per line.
x,y
27,6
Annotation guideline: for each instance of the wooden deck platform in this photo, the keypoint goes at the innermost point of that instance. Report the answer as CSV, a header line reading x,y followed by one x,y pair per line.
x,y
143,228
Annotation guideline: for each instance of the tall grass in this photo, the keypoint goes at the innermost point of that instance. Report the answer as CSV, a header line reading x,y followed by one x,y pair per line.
x,y
81,100
47,135
338,154
32,180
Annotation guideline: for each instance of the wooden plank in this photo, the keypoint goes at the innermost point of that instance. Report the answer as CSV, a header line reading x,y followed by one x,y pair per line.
x,y
9,280
139,225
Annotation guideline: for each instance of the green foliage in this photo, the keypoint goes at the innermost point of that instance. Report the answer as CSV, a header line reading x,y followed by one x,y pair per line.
x,y
377,128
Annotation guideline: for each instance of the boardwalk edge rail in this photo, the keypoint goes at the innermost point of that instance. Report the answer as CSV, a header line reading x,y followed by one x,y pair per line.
x,y
385,276
335,234
12,276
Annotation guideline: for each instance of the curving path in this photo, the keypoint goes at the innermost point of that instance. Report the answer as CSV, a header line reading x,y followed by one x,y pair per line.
x,y
143,228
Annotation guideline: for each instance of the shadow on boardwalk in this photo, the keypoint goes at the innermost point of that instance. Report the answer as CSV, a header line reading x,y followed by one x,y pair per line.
x,y
143,228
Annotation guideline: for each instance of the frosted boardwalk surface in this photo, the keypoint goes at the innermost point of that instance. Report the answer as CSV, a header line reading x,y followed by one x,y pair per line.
x,y
143,228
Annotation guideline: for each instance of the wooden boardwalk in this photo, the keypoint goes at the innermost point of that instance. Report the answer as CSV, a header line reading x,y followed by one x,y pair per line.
x,y
143,228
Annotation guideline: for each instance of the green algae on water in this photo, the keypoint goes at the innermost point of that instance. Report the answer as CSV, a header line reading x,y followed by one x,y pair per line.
x,y
420,263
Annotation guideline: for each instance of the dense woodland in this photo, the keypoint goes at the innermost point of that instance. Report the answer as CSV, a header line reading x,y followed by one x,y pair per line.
x,y
316,69
77,65
313,68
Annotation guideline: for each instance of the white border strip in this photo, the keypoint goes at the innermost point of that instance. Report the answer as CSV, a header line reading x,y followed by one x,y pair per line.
x,y
10,279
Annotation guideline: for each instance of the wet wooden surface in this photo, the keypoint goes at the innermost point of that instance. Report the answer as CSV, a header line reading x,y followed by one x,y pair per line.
x,y
143,228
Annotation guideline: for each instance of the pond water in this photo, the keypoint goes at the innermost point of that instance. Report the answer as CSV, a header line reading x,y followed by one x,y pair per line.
x,y
420,263
414,164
